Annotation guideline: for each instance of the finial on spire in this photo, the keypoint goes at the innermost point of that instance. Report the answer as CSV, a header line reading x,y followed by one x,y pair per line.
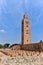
x,y
25,15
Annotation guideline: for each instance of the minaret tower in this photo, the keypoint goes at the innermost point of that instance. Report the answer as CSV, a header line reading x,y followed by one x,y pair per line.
x,y
26,39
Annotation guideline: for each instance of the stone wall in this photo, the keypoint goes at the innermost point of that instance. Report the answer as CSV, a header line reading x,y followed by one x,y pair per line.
x,y
29,47
41,46
16,47
33,47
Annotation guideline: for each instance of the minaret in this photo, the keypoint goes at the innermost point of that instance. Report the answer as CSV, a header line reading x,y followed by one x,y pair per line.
x,y
26,39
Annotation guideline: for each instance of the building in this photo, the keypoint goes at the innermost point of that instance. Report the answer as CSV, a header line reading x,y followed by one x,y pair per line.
x,y
26,38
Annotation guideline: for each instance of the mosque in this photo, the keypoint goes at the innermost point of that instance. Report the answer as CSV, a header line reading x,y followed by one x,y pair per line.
x,y
26,43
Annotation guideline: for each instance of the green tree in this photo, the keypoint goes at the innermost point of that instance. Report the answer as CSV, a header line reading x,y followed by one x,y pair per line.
x,y
6,45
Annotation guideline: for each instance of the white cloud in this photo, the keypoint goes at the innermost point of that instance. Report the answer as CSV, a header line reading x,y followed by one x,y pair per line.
x,y
2,31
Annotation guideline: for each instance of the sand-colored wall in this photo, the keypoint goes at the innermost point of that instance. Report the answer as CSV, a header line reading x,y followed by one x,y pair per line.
x,y
16,47
33,47
29,47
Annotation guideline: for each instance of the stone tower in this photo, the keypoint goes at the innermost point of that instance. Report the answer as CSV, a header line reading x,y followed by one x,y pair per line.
x,y
26,30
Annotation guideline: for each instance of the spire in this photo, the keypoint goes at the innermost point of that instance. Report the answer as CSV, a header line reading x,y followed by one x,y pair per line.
x,y
26,16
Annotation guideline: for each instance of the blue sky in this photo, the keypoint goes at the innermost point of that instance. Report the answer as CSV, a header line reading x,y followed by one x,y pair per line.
x,y
11,15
